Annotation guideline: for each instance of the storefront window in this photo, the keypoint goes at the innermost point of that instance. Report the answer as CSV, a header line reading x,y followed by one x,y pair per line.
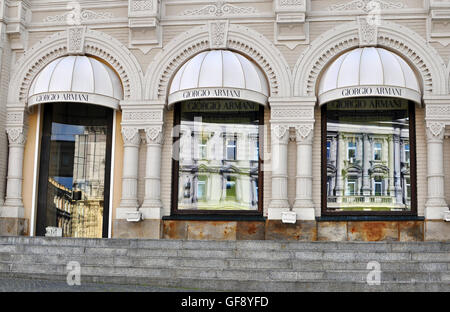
x,y
74,170
224,173
368,169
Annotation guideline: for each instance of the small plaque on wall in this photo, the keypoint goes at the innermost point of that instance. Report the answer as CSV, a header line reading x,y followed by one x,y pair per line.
x,y
52,231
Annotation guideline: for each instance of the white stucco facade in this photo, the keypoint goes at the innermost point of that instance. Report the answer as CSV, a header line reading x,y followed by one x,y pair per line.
x,y
292,44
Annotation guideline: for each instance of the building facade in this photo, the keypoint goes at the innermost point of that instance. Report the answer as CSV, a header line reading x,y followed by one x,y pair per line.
x,y
225,120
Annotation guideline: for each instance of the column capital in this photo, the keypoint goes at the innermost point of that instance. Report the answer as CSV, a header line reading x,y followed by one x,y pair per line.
x,y
304,133
435,130
16,135
154,134
280,132
130,136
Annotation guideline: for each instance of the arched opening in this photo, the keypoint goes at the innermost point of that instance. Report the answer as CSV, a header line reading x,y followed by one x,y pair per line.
x,y
367,98
219,99
78,96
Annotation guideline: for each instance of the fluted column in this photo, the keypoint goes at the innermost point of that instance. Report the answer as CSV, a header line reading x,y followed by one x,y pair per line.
x,y
435,205
152,206
129,202
303,204
279,202
366,157
397,169
13,205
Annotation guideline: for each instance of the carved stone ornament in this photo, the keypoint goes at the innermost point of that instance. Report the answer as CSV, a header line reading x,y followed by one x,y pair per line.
x,y
303,132
368,30
279,131
131,135
366,5
154,134
141,5
218,33
220,8
436,128
76,16
75,40
16,135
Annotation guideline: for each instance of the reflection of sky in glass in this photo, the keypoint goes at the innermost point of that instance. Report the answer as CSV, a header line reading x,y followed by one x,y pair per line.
x,y
66,181
64,132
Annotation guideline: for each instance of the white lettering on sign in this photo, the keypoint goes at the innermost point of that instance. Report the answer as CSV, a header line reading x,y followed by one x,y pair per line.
x,y
53,231
359,91
55,97
202,93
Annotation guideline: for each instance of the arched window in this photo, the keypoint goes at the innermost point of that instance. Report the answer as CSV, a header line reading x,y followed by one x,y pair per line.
x,y
368,98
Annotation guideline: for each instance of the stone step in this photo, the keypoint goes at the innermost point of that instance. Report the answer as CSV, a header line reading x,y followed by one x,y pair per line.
x,y
221,264
228,245
227,273
233,265
249,285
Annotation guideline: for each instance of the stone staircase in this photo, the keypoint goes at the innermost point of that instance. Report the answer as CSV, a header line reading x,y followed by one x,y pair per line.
x,y
233,265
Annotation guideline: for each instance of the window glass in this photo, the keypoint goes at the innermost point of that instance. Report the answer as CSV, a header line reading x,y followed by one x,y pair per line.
x,y
218,155
370,156
74,166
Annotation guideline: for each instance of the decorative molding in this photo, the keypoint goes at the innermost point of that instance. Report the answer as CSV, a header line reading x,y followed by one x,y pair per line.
x,y
75,40
154,134
218,33
145,31
424,58
73,17
365,5
291,113
218,9
291,2
368,32
131,136
304,133
140,116
96,43
15,118
291,28
436,129
141,5
240,38
16,135
438,23
279,131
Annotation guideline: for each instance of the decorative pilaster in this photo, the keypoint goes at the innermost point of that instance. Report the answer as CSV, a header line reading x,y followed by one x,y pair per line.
x,y
13,206
435,205
279,202
366,189
152,206
304,206
129,202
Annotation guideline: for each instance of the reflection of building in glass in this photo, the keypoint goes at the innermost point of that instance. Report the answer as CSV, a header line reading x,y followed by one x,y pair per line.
x,y
79,211
368,166
218,166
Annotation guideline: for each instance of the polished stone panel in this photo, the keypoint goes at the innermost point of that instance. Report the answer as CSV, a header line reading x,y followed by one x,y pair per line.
x,y
211,230
437,231
332,231
143,229
301,230
13,227
250,230
372,231
175,229
411,231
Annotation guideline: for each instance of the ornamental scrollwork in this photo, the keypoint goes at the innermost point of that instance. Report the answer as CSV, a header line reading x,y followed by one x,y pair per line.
x,y
154,135
16,135
131,135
